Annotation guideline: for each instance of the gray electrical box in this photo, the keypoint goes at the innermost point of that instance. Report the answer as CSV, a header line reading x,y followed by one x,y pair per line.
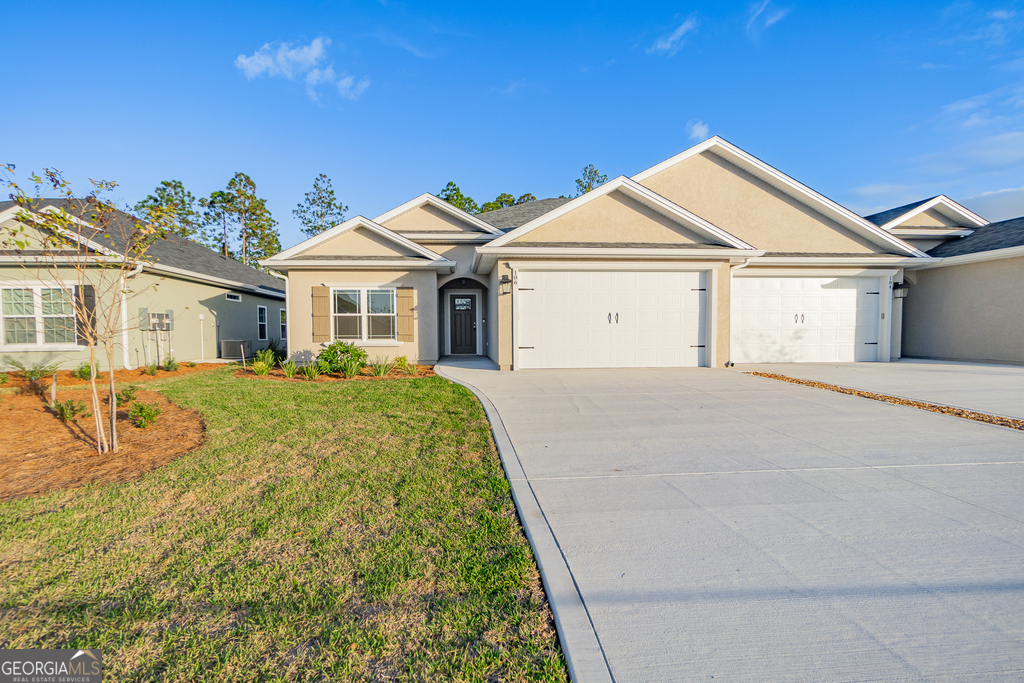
x,y
235,348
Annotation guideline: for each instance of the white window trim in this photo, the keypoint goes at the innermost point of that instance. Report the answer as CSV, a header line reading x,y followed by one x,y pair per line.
x,y
479,320
364,314
237,299
265,323
37,287
283,325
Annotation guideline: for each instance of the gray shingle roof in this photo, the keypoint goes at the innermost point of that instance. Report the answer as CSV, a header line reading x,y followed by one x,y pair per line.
x,y
512,217
177,252
1009,233
884,217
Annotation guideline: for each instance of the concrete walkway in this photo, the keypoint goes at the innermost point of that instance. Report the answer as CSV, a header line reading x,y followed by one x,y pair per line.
x,y
703,523
993,389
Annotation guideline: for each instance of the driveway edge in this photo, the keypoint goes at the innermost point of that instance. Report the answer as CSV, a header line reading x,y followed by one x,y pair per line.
x,y
584,656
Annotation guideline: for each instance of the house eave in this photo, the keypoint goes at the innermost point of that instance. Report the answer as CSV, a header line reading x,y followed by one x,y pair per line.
x,y
977,257
486,257
285,265
901,261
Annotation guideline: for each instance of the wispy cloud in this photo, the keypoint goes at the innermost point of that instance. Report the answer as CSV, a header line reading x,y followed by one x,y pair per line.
x,y
670,43
697,130
288,61
993,153
999,205
761,16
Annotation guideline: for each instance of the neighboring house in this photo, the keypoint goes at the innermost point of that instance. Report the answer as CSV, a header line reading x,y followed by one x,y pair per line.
x,y
199,298
709,258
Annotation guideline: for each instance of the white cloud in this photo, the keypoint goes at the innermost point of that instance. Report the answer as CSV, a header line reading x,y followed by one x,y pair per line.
x,y
993,153
281,59
670,44
999,205
697,130
761,16
350,88
315,78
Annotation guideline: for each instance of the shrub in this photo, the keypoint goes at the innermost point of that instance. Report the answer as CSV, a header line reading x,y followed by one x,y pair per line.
x,y
351,368
35,372
289,368
312,371
171,365
126,395
84,371
144,414
3,378
260,368
190,364
335,355
267,357
150,370
69,410
280,350
381,366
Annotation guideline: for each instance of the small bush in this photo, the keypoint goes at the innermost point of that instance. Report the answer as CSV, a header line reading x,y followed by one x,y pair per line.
x,y
351,368
338,352
84,371
150,370
126,395
289,368
260,368
280,350
381,366
69,410
144,414
312,371
171,365
266,356
190,364
3,378
35,372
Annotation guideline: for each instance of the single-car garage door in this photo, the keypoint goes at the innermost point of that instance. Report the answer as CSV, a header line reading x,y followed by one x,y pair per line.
x,y
805,319
611,319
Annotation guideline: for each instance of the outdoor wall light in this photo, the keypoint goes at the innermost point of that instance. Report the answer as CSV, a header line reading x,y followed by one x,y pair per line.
x,y
505,284
900,291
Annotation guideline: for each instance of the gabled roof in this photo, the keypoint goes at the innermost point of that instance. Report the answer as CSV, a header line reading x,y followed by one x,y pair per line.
x,y
636,191
798,191
511,217
893,218
428,199
173,251
1001,235
352,224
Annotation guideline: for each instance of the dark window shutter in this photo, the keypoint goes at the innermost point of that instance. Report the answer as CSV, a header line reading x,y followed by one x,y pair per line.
x,y
321,314
406,317
85,302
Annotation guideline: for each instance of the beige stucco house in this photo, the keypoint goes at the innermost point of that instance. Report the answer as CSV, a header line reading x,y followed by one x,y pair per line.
x,y
187,302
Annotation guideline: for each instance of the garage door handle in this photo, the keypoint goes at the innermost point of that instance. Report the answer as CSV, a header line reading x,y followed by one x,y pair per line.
x,y
801,317
609,318
795,317
616,318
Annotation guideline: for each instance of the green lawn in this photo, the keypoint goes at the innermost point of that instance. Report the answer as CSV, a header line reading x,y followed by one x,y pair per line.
x,y
347,531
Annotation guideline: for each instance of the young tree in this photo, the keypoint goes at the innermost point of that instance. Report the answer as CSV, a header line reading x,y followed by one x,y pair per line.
x,y
320,210
453,195
171,198
257,234
219,212
591,179
505,199
90,251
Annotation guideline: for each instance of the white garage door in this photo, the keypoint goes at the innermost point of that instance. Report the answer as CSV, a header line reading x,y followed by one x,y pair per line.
x,y
611,319
805,319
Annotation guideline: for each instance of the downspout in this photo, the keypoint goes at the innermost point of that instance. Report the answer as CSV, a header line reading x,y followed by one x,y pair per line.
x,y
288,317
125,355
746,262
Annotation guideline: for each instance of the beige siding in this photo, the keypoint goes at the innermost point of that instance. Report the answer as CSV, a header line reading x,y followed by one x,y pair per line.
x,y
424,348
463,255
968,312
612,218
930,219
428,219
723,299
752,210
358,242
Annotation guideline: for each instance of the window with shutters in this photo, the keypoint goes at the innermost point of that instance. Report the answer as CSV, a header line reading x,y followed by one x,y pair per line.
x,y
364,314
36,315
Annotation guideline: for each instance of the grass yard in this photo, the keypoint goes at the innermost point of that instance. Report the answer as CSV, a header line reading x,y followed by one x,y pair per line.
x,y
357,531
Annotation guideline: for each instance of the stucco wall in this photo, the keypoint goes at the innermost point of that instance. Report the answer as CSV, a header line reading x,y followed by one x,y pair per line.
x,y
930,219
968,312
300,306
428,218
752,210
358,242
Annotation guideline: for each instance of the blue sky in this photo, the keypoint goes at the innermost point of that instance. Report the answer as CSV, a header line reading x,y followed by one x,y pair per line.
x,y
872,104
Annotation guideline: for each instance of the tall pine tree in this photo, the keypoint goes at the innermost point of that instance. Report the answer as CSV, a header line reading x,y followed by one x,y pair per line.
x,y
320,210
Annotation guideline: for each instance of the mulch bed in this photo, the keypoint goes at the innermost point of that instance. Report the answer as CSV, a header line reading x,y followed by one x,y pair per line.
x,y
65,379
896,400
39,453
278,374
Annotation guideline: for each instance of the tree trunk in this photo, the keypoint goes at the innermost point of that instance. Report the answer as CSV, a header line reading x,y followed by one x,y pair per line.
x,y
101,439
114,445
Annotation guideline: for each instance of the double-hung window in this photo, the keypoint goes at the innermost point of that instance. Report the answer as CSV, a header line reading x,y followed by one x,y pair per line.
x,y
364,314
261,323
284,323
36,315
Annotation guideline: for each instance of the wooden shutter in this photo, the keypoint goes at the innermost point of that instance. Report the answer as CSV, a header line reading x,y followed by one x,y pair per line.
x,y
85,302
321,314
406,317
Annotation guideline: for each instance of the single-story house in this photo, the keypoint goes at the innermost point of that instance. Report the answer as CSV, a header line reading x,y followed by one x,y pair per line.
x,y
709,258
191,303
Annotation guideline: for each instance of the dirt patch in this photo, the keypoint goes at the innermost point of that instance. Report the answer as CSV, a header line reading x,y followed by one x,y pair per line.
x,y
39,453
896,400
66,379
278,374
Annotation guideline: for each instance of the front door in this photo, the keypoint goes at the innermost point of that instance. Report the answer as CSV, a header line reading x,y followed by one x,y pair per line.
x,y
462,314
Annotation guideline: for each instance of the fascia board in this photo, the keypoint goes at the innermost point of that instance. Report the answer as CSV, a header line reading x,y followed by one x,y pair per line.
x,y
437,202
943,201
839,260
977,257
513,251
931,232
350,264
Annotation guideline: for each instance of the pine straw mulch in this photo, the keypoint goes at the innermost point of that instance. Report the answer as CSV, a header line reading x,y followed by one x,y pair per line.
x,y
65,378
896,400
39,453
278,374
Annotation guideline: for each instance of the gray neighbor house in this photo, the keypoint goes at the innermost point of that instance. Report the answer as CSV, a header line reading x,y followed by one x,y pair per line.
x,y
193,304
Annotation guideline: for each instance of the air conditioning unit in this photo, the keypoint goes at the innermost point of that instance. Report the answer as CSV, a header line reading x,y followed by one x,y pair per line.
x,y
155,322
235,348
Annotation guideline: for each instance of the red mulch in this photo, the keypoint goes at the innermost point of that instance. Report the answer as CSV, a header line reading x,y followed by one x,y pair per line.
x,y
66,379
39,453
896,400
278,374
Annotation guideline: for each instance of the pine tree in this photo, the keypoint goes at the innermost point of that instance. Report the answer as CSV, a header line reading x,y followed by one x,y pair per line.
x,y
320,210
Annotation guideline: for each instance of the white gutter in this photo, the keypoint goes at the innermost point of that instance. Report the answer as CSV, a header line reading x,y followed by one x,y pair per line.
x,y
486,257
731,271
351,264
977,257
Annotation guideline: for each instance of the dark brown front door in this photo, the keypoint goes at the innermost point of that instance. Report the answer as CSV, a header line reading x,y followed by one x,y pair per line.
x,y
462,313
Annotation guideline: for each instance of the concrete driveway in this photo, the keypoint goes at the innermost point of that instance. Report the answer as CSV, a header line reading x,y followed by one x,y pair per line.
x,y
993,389
699,523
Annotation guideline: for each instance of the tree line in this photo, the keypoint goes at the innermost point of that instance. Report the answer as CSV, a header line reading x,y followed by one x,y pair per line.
x,y
589,179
